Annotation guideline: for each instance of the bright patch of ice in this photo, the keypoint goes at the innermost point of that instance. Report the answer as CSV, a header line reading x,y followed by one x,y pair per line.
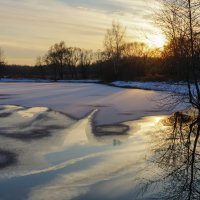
x,y
3,159
32,111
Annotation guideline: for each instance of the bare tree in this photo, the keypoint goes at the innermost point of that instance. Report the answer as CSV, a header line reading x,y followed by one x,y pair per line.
x,y
135,49
114,44
2,62
180,22
193,11
73,60
86,58
40,64
99,60
57,58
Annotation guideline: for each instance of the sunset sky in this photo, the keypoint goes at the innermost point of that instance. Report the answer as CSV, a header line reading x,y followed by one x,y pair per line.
x,y
29,27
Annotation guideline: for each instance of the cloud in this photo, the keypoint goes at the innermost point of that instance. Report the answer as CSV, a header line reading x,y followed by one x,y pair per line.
x,y
36,25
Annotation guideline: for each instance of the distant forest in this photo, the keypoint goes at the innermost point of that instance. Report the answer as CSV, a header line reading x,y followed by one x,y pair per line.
x,y
131,61
178,60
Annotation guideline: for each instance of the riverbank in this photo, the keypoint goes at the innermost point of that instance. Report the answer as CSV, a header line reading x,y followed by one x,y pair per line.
x,y
175,87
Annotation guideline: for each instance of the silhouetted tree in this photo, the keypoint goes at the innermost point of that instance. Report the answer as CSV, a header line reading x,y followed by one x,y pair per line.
x,y
99,60
179,20
114,44
2,62
40,64
73,57
85,60
57,57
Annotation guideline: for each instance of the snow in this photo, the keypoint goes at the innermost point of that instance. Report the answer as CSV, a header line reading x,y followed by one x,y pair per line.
x,y
79,81
78,99
180,87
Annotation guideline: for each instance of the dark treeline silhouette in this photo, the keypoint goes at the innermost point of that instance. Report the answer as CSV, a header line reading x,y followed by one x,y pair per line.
x,y
2,63
119,60
63,62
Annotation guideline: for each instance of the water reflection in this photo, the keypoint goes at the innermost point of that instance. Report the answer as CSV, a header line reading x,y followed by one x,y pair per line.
x,y
177,154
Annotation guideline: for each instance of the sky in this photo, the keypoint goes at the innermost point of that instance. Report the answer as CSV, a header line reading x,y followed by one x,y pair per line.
x,y
29,27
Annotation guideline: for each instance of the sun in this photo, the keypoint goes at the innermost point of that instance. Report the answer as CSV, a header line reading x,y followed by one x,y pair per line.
x,y
156,41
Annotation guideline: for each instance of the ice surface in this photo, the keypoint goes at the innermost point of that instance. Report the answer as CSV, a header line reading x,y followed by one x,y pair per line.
x,y
78,99
59,156
179,87
71,160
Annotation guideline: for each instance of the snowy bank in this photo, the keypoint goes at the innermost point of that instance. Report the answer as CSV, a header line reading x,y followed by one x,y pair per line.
x,y
10,80
180,87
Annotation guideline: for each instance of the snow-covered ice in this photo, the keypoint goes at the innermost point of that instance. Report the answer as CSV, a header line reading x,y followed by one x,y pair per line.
x,y
179,87
175,87
78,99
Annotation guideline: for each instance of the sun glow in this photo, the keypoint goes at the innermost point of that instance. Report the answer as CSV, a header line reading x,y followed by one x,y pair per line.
x,y
156,41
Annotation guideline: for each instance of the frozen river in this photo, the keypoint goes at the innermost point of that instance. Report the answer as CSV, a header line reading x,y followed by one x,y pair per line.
x,y
78,99
77,141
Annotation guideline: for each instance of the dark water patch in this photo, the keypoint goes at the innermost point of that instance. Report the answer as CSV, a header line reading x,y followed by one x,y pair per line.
x,y
100,106
4,95
7,158
31,125
1,108
4,98
3,115
106,130
126,113
30,135
94,106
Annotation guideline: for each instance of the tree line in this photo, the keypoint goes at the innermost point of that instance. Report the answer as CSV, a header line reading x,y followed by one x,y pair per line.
x,y
119,60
